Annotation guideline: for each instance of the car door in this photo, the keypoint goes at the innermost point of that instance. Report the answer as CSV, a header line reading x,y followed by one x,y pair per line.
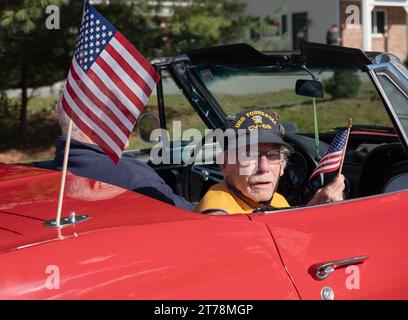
x,y
355,249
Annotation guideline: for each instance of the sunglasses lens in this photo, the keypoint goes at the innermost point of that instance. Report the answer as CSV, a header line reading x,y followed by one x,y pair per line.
x,y
273,156
248,157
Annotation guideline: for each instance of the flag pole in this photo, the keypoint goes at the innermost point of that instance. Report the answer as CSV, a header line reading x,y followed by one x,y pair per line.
x,y
64,173
350,124
65,161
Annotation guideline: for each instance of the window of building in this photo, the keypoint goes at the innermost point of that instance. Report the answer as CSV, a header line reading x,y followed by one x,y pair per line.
x,y
284,24
379,22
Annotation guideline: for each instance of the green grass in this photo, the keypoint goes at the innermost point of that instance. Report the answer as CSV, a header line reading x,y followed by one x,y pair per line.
x,y
42,104
43,129
273,100
365,108
38,104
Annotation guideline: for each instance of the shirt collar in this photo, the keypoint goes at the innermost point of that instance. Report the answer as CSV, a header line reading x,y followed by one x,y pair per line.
x,y
248,201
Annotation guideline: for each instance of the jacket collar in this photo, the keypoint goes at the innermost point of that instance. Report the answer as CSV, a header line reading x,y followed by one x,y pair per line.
x,y
74,148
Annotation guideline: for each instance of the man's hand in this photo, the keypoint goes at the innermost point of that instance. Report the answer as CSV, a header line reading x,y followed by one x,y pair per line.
x,y
332,192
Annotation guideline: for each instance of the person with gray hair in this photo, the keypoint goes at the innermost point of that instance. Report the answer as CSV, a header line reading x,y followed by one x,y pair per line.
x,y
86,159
251,175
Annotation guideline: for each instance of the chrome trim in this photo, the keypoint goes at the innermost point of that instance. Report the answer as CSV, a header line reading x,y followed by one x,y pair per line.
x,y
327,293
394,80
374,77
323,270
207,173
386,58
395,70
67,221
305,208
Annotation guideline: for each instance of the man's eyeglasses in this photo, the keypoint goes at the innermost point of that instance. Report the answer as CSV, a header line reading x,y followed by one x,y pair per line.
x,y
252,157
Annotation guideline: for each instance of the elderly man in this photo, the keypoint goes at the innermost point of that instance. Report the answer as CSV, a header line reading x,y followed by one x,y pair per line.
x,y
86,159
250,183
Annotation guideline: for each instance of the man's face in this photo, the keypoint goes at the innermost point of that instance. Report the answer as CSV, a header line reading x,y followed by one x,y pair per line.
x,y
256,179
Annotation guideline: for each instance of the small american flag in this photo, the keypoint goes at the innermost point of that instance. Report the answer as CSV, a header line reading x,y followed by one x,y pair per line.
x,y
108,84
332,159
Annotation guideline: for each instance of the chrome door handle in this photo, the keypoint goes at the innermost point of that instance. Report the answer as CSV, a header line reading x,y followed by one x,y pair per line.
x,y
321,271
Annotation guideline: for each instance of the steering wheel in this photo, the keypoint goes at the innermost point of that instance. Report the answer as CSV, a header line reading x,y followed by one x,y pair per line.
x,y
206,173
395,178
381,168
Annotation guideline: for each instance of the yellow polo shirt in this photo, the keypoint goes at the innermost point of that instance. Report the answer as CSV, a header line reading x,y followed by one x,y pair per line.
x,y
221,197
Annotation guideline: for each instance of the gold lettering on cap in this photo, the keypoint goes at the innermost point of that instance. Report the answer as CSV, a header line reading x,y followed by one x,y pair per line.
x,y
239,122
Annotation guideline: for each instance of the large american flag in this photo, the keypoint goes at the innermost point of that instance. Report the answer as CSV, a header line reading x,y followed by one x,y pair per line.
x,y
108,84
332,159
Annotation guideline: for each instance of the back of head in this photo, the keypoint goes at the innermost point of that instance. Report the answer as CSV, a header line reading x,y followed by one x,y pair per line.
x,y
63,121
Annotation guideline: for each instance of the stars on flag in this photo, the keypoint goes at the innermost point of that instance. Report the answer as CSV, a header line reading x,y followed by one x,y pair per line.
x,y
94,34
108,84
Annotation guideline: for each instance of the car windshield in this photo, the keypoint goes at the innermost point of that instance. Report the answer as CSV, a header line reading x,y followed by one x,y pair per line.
x,y
347,94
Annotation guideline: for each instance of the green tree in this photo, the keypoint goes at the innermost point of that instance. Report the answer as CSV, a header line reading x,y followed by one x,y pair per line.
x,y
137,21
33,56
345,83
30,54
264,33
203,23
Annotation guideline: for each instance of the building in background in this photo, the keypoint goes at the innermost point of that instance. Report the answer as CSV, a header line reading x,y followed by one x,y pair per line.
x,y
372,25
383,26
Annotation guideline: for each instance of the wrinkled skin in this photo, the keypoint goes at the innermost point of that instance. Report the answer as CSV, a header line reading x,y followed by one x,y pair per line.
x,y
255,182
260,181
330,193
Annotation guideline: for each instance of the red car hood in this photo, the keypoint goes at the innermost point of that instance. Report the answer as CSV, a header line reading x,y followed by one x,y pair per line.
x,y
29,197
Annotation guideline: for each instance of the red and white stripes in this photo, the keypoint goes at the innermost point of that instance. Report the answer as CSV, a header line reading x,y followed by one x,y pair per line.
x,y
328,163
106,100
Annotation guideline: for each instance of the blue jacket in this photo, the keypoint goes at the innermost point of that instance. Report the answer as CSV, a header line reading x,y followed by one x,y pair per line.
x,y
89,161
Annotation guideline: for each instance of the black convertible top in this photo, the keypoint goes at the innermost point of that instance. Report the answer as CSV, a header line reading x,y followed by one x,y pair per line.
x,y
311,54
322,55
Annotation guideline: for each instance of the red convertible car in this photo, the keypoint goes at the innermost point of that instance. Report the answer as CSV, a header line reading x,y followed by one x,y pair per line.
x,y
117,244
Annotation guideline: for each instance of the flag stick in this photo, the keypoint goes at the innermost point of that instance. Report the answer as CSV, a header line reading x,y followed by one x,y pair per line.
x,y
64,173
350,124
65,162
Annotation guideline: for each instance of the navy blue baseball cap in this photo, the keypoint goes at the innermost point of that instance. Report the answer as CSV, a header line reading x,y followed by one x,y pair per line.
x,y
268,125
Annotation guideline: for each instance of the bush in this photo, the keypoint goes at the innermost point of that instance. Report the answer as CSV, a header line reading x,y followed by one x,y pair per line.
x,y
344,84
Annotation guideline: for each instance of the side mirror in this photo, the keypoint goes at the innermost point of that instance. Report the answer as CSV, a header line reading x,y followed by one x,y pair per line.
x,y
309,88
146,124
